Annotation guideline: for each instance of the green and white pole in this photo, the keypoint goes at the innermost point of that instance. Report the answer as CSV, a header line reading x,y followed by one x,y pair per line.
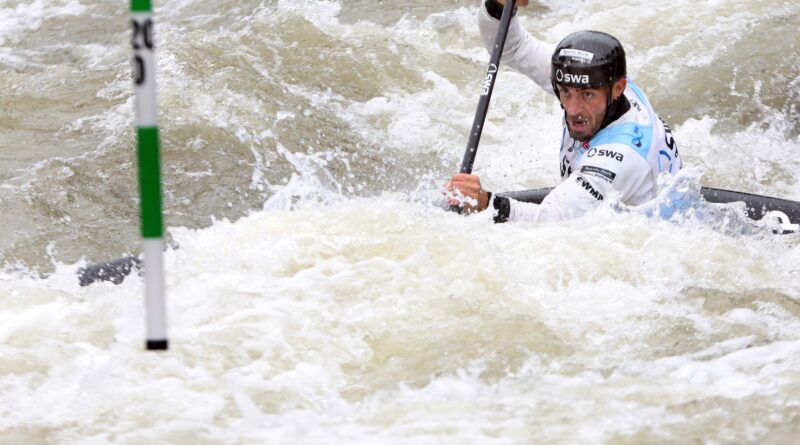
x,y
149,172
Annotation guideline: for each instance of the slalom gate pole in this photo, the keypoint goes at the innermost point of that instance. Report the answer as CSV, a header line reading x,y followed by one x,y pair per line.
x,y
149,172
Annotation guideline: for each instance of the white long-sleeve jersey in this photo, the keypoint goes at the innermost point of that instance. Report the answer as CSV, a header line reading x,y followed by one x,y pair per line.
x,y
625,157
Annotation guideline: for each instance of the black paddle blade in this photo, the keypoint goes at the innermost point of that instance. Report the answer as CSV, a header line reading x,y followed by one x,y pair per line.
x,y
113,271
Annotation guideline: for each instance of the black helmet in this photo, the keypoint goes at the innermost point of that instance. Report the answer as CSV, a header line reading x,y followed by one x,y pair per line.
x,y
587,59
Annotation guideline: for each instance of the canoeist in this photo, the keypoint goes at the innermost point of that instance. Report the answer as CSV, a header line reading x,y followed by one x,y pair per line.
x,y
613,141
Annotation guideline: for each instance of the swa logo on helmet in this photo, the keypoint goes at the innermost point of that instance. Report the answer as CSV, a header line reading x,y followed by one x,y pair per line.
x,y
571,78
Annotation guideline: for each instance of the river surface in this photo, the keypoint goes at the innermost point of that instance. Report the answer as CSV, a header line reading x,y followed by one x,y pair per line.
x,y
317,292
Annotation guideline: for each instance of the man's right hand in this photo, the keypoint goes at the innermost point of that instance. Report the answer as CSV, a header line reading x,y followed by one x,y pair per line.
x,y
468,186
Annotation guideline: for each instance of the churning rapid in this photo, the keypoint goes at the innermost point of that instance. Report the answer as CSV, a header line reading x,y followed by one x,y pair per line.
x,y
317,291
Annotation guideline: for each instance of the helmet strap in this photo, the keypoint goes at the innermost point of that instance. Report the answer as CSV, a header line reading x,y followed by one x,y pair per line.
x,y
614,108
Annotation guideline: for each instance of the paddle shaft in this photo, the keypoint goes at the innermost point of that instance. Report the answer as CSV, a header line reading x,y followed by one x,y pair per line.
x,y
486,89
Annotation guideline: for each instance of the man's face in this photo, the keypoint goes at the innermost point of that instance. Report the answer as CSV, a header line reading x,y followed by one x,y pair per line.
x,y
586,108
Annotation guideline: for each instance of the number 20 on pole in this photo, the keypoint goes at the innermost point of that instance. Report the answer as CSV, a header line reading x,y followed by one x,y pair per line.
x,y
141,39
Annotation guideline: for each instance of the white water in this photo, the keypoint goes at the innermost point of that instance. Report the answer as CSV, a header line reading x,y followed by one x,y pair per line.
x,y
380,321
317,294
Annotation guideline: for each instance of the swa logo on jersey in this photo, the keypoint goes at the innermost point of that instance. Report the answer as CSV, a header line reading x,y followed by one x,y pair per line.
x,y
607,153
571,78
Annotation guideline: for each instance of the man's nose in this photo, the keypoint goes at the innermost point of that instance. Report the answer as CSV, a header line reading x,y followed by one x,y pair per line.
x,y
571,106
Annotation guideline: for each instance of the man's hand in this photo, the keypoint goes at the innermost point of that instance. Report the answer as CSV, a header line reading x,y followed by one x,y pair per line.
x,y
465,190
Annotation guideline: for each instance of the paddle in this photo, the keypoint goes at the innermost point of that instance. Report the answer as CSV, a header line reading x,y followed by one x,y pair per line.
x,y
486,89
486,94
758,206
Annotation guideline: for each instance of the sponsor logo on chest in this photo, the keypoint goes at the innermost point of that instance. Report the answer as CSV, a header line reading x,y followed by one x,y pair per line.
x,y
606,175
605,153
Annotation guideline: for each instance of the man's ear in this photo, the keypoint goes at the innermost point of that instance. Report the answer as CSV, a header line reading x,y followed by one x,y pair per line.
x,y
619,87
